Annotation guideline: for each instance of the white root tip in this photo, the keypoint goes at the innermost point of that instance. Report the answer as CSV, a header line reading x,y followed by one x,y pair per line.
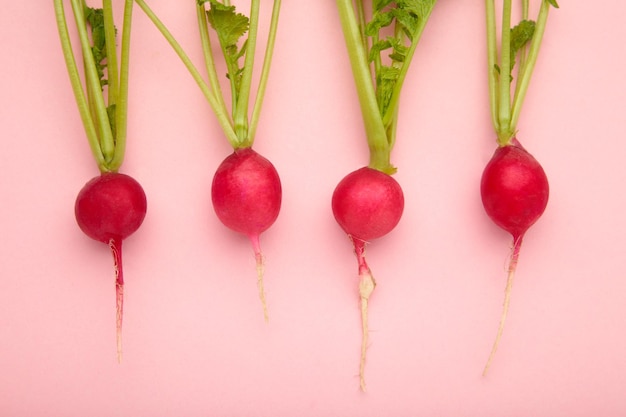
x,y
366,288
505,310
260,270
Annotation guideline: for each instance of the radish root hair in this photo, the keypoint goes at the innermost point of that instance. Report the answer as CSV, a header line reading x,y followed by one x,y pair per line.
x,y
517,243
260,271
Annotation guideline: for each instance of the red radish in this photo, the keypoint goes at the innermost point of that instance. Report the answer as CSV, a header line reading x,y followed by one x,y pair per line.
x,y
246,190
111,206
514,188
246,195
368,202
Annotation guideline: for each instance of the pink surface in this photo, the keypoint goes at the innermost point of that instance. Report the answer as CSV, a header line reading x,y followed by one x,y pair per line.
x,y
195,343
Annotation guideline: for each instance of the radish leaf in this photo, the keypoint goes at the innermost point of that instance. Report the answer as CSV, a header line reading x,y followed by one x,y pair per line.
x,y
230,26
520,36
95,20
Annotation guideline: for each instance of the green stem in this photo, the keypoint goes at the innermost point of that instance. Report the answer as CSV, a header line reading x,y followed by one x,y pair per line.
x,y
240,115
121,112
77,87
221,115
392,128
107,143
374,128
523,52
492,58
205,40
267,61
362,22
526,71
112,71
504,88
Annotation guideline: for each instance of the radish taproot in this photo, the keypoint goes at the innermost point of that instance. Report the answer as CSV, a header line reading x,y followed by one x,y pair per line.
x,y
246,190
368,203
514,188
111,206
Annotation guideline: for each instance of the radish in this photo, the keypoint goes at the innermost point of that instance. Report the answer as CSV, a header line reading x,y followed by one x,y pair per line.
x,y
112,206
246,195
514,187
246,190
368,203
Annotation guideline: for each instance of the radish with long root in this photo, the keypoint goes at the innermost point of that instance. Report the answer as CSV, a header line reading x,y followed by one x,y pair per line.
x,y
514,187
111,206
368,203
246,190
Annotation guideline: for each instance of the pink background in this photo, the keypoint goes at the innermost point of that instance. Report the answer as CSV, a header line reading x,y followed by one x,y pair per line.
x,y
195,343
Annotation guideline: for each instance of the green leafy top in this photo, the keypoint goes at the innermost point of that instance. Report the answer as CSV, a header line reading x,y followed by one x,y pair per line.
x,y
230,27
521,35
519,43
381,48
238,50
104,118
95,21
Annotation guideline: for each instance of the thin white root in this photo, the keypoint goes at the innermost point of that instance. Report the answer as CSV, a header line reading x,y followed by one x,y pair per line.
x,y
505,309
119,346
366,288
260,269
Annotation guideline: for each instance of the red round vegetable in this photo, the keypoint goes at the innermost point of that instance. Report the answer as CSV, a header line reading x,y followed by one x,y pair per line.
x,y
247,194
368,204
109,208
514,189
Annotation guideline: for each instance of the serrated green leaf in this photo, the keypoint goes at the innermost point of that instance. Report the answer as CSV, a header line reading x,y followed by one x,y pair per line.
x,y
397,57
95,21
407,19
386,81
377,48
399,49
520,36
421,8
389,73
229,26
379,21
